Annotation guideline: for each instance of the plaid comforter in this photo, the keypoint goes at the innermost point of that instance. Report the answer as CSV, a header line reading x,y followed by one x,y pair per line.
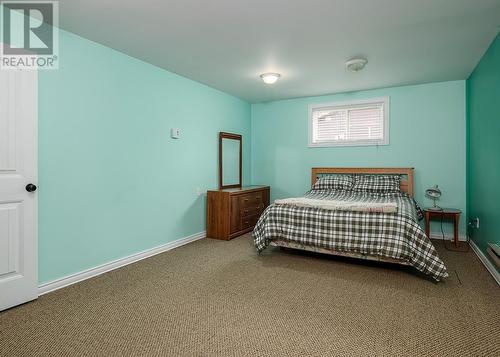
x,y
393,235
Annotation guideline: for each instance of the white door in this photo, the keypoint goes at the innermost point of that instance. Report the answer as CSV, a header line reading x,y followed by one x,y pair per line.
x,y
18,169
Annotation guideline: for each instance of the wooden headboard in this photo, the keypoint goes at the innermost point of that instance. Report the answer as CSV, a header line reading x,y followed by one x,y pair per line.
x,y
405,172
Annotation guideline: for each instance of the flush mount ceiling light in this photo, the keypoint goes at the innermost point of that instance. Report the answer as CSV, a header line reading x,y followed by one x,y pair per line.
x,y
356,64
270,78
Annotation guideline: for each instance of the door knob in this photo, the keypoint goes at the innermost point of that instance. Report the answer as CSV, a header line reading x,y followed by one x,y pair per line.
x,y
30,187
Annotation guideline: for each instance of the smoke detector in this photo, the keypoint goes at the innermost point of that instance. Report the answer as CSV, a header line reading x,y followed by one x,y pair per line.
x,y
356,64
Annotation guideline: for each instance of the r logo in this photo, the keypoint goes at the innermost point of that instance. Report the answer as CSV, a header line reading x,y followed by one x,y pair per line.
x,y
27,26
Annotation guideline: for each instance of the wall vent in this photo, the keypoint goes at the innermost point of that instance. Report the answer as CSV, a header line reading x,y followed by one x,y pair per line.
x,y
493,251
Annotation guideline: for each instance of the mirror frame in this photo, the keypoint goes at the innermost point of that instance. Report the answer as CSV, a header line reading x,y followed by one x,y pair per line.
x,y
223,135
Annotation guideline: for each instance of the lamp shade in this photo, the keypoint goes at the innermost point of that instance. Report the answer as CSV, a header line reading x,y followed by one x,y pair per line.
x,y
433,192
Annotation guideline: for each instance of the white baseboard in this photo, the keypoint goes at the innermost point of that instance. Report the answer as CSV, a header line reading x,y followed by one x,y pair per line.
x,y
115,264
447,236
484,259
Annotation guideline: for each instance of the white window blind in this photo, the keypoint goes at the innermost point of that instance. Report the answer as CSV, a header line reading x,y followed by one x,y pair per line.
x,y
355,123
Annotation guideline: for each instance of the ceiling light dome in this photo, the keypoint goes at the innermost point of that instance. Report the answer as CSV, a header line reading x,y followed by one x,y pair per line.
x,y
270,78
356,64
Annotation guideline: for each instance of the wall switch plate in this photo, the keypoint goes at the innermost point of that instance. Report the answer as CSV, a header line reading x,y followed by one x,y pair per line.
x,y
175,133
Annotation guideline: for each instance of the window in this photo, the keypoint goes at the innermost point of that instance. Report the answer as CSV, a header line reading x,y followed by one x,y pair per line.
x,y
358,123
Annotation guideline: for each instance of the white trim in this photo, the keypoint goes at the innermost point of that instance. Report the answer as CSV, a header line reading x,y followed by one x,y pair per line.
x,y
484,259
447,236
115,264
384,141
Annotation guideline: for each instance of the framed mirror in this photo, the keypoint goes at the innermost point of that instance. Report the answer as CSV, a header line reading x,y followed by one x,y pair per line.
x,y
230,153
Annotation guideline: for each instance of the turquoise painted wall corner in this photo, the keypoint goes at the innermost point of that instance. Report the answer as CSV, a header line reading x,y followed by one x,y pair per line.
x,y
112,181
427,131
483,191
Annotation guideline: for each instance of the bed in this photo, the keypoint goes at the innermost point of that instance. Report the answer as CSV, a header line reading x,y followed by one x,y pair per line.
x,y
350,221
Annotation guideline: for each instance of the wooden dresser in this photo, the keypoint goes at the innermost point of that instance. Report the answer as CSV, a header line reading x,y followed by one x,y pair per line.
x,y
234,211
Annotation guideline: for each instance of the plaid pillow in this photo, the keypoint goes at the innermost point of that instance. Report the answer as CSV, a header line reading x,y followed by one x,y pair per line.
x,y
377,183
337,182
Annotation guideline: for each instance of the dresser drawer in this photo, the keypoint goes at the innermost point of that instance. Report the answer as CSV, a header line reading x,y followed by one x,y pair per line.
x,y
249,221
250,200
251,210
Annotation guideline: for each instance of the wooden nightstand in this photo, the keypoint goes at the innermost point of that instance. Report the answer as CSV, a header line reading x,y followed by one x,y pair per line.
x,y
445,213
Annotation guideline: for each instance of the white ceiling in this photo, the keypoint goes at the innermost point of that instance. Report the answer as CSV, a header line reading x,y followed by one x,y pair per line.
x,y
226,44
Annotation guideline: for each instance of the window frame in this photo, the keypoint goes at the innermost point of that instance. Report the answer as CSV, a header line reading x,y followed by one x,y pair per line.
x,y
385,141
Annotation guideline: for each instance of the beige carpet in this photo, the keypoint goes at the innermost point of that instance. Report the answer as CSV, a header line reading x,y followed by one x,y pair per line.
x,y
215,298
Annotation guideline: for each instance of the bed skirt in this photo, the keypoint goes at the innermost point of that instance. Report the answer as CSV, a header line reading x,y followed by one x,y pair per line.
x,y
309,248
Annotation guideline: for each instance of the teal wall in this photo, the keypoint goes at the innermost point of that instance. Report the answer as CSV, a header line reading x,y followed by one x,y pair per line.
x,y
427,132
483,95
112,181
